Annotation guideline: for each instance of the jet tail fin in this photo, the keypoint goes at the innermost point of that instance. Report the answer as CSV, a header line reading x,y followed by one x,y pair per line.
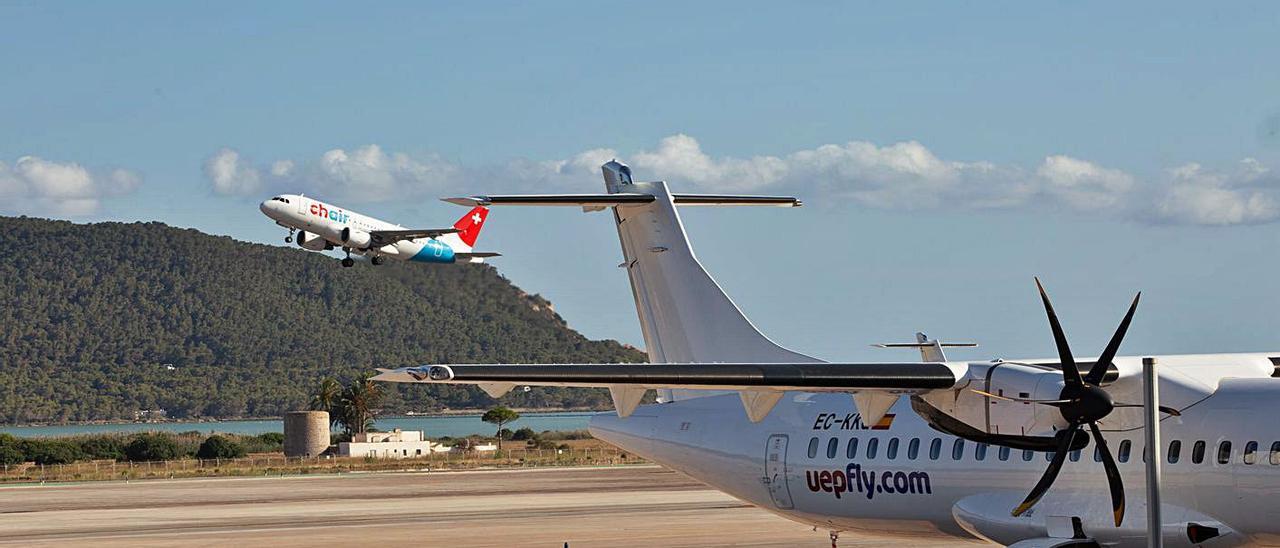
x,y
468,230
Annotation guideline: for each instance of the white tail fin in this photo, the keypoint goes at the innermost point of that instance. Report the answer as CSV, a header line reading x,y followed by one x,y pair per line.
x,y
685,316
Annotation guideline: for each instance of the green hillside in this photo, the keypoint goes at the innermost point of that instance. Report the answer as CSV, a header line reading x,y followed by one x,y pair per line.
x,y
99,321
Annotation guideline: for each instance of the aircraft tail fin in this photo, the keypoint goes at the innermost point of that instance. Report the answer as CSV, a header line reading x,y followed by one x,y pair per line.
x,y
468,230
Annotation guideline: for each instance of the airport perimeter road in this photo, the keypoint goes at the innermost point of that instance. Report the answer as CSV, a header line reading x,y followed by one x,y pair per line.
x,y
632,506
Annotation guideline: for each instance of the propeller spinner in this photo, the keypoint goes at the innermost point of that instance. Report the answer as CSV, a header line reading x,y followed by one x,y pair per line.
x,y
1082,402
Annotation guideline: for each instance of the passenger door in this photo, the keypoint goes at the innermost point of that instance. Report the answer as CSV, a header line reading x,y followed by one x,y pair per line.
x,y
775,471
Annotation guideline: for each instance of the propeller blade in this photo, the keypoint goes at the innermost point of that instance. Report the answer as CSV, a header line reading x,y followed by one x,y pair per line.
x,y
1065,437
1070,373
1019,400
1163,408
1100,367
1113,475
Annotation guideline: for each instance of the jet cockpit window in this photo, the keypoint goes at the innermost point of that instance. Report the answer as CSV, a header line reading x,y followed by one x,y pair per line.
x,y
280,199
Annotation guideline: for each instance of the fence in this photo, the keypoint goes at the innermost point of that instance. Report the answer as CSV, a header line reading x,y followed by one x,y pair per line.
x,y
269,465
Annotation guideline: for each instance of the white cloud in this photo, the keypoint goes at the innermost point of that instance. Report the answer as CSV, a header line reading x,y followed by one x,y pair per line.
x,y
366,173
35,186
904,175
1200,196
230,174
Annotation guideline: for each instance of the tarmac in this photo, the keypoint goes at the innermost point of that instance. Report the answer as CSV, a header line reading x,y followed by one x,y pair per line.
x,y
616,506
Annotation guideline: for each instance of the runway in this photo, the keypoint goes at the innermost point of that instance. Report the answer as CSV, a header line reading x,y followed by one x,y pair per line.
x,y
624,506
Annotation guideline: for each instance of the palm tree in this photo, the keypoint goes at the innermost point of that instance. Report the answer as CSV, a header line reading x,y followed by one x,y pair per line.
x,y
358,404
328,398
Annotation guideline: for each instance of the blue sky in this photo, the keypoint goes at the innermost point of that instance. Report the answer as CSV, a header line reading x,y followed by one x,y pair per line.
x,y
947,152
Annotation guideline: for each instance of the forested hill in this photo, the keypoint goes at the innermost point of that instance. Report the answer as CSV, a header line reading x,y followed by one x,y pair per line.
x,y
99,321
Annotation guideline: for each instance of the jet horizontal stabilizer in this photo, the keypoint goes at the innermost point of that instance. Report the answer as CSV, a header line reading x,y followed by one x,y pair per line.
x,y
596,201
812,377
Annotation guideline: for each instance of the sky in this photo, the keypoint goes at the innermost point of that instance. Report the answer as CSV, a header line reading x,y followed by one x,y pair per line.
x,y
946,152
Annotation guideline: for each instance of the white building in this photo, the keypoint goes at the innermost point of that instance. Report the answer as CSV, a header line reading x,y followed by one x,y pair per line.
x,y
395,444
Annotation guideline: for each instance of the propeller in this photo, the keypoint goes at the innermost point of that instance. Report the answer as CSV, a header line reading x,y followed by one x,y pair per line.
x,y
1082,402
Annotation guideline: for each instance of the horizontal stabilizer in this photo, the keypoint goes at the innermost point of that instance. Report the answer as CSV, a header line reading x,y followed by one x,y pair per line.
x,y
812,377
622,199
474,257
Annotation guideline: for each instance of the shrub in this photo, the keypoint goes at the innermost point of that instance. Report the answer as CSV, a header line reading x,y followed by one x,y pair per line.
x,y
524,434
51,451
218,447
274,438
543,444
152,446
505,433
11,450
108,446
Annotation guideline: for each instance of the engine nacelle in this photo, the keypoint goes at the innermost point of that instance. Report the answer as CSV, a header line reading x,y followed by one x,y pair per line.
x,y
969,414
355,238
313,242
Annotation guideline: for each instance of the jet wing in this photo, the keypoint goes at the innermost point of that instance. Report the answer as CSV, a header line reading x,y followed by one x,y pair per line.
x,y
387,237
876,386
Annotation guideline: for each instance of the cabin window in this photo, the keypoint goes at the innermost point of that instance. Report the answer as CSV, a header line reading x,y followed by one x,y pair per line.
x,y
891,452
1125,447
1075,456
957,449
852,450
1048,456
813,448
1175,450
935,449
1028,454
913,448
1250,452
980,451
1275,453
1197,452
872,445
832,447
1224,452
1097,453
1004,453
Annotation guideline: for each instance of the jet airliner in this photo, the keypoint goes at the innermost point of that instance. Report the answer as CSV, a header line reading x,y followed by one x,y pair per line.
x,y
1027,453
320,226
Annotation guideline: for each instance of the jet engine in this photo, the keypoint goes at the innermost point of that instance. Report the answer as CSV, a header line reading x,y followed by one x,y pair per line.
x,y
313,242
356,238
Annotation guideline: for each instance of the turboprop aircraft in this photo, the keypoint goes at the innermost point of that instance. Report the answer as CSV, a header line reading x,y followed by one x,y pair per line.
x,y
320,227
1035,452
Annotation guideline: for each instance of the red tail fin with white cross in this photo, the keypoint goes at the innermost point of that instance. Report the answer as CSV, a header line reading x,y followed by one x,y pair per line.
x,y
470,224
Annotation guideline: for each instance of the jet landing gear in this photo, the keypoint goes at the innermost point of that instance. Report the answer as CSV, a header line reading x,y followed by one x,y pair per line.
x,y
348,262
835,539
376,260
289,239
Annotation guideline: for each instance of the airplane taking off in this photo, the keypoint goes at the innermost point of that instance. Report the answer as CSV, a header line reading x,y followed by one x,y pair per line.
x,y
321,226
1027,453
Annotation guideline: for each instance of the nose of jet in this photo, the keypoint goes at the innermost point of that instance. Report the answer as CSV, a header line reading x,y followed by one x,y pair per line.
x,y
268,208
